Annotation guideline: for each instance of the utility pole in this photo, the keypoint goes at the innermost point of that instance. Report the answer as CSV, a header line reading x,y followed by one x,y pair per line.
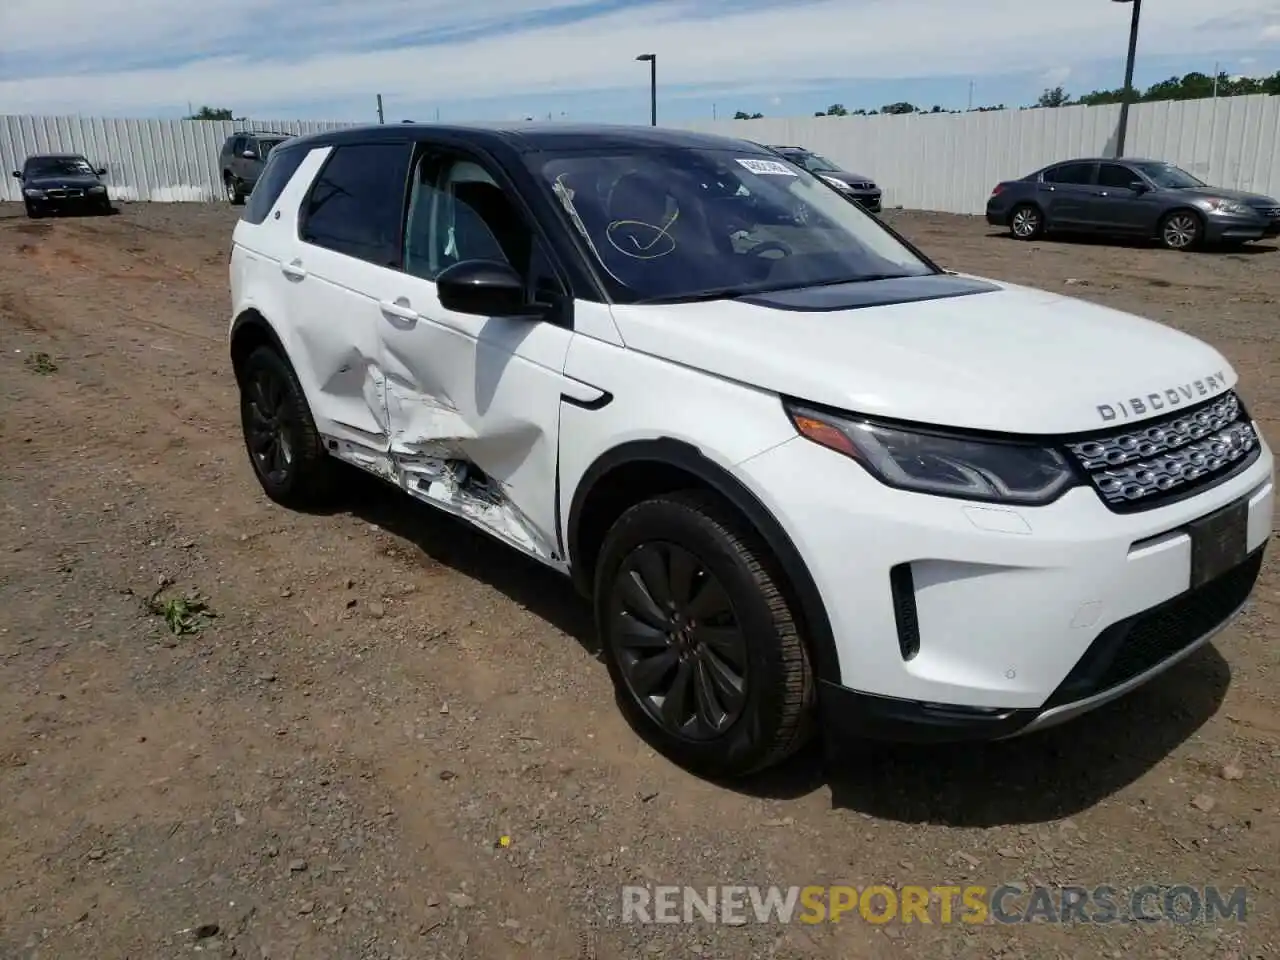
x,y
970,94
713,112
1127,95
653,86
380,120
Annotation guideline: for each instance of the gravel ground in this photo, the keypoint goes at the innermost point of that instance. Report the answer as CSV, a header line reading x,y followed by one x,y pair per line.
x,y
328,766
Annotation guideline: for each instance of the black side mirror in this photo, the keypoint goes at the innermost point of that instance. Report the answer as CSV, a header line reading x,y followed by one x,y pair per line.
x,y
101,171
1138,186
485,288
17,174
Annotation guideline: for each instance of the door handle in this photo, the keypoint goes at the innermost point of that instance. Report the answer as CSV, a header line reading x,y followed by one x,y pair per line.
x,y
293,270
400,309
1103,193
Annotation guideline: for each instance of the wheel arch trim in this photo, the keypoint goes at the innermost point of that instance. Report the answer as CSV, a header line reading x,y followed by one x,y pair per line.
x,y
667,451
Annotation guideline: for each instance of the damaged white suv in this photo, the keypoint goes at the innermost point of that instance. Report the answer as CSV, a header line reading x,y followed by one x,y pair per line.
x,y
808,478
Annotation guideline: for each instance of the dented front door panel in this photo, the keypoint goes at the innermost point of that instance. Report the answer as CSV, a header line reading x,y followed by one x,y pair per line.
x,y
466,392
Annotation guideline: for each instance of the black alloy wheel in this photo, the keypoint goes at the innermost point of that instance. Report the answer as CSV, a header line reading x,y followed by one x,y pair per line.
x,y
681,649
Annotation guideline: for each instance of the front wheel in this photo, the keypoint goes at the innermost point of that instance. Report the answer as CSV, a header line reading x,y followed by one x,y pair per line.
x,y
699,639
33,212
234,195
1181,230
287,453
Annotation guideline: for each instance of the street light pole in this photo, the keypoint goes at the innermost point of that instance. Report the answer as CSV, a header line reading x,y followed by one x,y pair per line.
x,y
653,86
1127,95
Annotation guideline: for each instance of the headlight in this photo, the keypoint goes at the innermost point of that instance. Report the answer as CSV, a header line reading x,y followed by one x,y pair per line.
x,y
1230,207
838,184
98,188
33,193
937,463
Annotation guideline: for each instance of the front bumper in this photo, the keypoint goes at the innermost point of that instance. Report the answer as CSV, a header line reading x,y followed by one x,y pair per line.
x,y
68,200
1026,617
1221,228
870,200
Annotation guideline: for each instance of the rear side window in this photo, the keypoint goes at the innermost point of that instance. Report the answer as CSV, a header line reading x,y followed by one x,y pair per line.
x,y
1070,173
356,205
280,168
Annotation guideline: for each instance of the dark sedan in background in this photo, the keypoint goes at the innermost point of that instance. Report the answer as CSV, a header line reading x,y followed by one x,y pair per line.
x,y
61,182
1131,197
853,185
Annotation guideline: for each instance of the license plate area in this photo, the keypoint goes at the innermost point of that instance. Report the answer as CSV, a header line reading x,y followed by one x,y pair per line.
x,y
1219,542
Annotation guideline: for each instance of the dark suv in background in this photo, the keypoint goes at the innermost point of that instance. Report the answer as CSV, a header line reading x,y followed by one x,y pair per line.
x,y
853,185
242,158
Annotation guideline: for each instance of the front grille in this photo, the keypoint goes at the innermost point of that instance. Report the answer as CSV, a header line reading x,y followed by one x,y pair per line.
x,y
63,193
1164,459
1133,646
863,185
1270,212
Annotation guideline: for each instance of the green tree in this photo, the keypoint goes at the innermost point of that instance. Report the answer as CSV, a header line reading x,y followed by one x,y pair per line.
x,y
211,113
743,115
1053,97
899,108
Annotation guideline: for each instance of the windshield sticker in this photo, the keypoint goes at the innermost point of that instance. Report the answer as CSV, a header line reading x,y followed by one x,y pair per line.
x,y
767,167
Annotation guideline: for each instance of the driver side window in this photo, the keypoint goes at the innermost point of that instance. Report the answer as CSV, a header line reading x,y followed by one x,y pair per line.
x,y
458,212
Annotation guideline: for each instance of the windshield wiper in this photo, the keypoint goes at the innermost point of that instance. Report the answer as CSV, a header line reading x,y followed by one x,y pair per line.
x,y
699,296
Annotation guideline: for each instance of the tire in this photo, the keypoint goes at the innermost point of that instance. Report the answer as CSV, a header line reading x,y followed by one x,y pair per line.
x,y
1026,222
1181,230
33,212
286,452
233,193
756,637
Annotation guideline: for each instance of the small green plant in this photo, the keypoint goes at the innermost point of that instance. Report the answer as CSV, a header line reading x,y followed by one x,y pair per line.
x,y
183,615
41,363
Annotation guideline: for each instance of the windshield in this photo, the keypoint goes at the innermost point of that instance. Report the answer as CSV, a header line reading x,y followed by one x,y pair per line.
x,y
1168,176
57,167
814,163
264,147
687,224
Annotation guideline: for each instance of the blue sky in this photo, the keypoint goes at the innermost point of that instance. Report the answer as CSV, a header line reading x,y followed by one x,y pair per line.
x,y
574,59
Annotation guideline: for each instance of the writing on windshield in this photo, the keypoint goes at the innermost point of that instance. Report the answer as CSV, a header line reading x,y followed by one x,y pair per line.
x,y
682,223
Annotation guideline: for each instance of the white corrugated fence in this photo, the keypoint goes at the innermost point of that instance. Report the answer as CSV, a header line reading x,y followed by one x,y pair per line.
x,y
163,160
943,162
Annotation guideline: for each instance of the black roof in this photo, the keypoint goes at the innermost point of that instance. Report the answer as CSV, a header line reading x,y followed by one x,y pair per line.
x,y
55,155
527,137
1058,163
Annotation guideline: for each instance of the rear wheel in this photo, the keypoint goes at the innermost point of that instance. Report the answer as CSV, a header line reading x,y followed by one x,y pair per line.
x,y
1026,222
287,453
1181,230
699,640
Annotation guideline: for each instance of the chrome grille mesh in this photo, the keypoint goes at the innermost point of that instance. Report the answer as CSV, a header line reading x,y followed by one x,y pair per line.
x,y
1159,459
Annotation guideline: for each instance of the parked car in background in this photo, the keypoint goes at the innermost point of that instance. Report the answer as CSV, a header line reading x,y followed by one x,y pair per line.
x,y
1131,197
241,160
809,478
62,182
854,185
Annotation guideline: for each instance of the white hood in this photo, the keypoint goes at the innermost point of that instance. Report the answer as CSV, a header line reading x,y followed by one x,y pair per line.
x,y
1015,360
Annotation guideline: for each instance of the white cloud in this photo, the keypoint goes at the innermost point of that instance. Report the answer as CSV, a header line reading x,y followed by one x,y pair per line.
x,y
761,51
1057,76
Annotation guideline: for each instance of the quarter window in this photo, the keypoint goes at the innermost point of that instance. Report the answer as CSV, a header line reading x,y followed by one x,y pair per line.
x,y
356,203
280,168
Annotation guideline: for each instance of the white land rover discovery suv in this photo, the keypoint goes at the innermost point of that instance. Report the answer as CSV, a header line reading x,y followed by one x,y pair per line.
x,y
807,477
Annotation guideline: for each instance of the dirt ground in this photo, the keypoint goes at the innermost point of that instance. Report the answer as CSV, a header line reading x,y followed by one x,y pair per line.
x,y
325,769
